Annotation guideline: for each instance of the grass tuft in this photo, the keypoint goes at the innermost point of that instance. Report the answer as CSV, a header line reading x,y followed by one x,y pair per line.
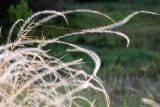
x,y
30,77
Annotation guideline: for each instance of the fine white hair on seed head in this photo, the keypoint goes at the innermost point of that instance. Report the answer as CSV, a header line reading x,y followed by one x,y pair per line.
x,y
30,77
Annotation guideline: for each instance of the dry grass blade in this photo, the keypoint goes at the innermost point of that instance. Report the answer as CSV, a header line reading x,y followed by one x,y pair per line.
x,y
150,102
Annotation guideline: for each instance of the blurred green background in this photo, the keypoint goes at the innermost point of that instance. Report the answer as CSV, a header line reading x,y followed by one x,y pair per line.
x,y
129,74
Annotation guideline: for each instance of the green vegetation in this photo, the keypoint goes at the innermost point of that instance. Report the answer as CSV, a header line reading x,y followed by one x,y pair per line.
x,y
20,11
141,59
143,30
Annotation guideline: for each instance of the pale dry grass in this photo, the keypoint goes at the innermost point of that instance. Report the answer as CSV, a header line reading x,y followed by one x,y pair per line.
x,y
23,68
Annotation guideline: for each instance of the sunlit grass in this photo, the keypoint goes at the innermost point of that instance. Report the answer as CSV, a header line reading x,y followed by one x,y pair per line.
x,y
31,76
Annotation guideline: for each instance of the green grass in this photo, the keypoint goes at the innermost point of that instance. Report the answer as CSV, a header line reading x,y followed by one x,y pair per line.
x,y
92,96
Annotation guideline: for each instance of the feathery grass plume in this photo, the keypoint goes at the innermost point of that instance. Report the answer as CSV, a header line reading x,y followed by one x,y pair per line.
x,y
150,102
23,68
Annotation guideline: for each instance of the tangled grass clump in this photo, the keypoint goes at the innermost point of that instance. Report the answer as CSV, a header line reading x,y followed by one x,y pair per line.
x,y
25,64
